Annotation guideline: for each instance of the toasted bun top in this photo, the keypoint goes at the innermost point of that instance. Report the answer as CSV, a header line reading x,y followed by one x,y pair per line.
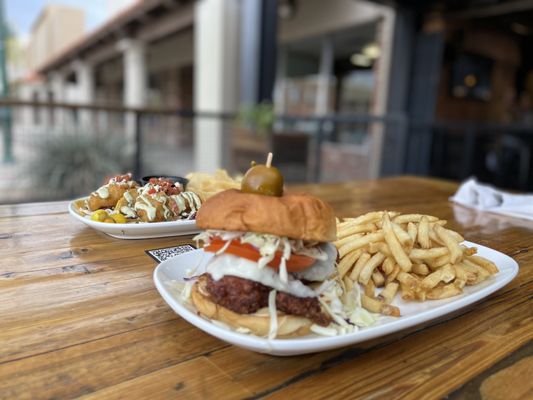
x,y
297,216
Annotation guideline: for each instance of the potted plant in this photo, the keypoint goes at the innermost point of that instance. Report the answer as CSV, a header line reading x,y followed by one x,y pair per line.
x,y
252,136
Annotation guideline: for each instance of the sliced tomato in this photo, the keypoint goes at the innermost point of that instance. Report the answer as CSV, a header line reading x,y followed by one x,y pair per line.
x,y
295,263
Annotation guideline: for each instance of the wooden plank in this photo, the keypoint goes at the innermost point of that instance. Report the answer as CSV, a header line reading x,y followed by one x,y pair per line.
x,y
471,388
28,209
100,363
428,364
195,379
512,383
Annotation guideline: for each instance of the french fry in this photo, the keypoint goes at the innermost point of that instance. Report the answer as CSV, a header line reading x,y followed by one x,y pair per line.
x,y
487,265
423,232
405,218
440,222
394,274
360,242
347,262
407,279
402,235
370,288
392,241
471,273
368,268
388,293
442,260
443,292
363,219
406,292
348,283
370,303
468,251
354,275
347,239
378,278
481,273
420,269
420,295
444,274
448,239
379,247
353,229
460,276
387,266
424,254
434,238
458,238
377,306
412,231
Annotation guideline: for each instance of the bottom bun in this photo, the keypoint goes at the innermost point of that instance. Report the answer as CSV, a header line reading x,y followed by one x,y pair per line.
x,y
258,323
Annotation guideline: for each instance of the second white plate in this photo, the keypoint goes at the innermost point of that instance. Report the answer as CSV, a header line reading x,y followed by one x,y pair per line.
x,y
138,230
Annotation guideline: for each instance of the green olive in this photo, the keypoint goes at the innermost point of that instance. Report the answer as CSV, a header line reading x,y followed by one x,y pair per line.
x,y
261,179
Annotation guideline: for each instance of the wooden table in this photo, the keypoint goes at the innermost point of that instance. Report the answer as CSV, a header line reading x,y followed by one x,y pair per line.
x,y
80,316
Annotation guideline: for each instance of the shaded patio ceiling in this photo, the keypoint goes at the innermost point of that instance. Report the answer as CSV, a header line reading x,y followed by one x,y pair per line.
x,y
142,13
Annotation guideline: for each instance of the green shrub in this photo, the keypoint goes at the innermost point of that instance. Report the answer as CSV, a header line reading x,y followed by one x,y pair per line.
x,y
69,165
258,117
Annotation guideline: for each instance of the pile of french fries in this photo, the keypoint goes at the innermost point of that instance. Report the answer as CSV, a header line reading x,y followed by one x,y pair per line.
x,y
412,254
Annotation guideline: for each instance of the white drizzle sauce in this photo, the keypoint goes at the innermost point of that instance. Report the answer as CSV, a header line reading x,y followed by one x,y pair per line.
x,y
146,206
128,197
187,200
103,192
166,211
180,202
128,212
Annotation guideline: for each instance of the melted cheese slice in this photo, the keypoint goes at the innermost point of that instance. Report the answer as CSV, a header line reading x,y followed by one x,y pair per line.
x,y
228,264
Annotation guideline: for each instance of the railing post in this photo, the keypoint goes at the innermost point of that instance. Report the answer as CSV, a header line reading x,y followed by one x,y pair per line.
x,y
468,152
137,166
318,149
5,114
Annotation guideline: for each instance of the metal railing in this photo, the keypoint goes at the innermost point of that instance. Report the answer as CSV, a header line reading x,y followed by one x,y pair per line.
x,y
308,148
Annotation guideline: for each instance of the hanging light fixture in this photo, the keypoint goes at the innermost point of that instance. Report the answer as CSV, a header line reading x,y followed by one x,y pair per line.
x,y
371,50
360,60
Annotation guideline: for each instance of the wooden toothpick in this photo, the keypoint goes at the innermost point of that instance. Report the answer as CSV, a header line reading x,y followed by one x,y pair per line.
x,y
269,160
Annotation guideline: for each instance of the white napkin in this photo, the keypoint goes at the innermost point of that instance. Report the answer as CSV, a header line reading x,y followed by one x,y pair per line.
x,y
486,198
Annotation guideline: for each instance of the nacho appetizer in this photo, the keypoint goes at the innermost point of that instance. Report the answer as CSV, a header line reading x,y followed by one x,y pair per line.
x,y
122,200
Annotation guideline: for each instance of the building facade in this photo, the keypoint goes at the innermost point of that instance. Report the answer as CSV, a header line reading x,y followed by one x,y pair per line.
x,y
202,55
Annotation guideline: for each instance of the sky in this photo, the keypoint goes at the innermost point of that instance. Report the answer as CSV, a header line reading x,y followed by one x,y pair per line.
x,y
20,14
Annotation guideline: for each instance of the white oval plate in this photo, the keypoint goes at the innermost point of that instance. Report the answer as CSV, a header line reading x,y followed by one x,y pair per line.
x,y
413,313
140,230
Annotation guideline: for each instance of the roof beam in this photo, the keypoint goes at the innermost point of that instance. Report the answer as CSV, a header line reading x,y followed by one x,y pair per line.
x,y
173,21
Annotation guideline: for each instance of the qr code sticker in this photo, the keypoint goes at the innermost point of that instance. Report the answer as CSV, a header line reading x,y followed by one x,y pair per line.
x,y
165,253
